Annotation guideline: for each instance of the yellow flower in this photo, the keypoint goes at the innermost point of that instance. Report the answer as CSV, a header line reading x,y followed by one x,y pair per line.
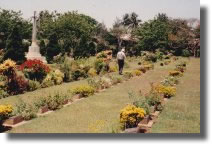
x,y
131,115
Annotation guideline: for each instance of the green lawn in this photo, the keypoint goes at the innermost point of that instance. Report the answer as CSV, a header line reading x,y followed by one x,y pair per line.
x,y
98,113
182,113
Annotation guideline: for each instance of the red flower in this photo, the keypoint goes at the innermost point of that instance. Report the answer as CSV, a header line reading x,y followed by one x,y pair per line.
x,y
35,65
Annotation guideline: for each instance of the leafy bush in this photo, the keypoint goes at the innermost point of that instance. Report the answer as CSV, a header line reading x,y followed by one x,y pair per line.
x,y
83,90
5,112
130,116
33,85
35,70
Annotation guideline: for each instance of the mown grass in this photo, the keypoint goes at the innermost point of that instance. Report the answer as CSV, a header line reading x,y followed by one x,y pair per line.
x,y
182,113
95,114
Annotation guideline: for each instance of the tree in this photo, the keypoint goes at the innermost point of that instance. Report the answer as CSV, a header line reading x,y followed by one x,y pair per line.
x,y
153,35
131,20
13,31
67,33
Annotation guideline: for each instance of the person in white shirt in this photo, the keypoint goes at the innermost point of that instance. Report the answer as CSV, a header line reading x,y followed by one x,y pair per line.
x,y
120,58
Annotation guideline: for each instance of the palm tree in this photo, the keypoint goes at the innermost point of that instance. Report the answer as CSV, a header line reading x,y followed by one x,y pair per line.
x,y
131,20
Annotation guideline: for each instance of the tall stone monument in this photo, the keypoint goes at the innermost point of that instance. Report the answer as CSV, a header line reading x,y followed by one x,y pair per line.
x,y
34,49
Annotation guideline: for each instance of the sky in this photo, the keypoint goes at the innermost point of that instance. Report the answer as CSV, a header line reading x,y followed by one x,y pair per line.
x,y
108,10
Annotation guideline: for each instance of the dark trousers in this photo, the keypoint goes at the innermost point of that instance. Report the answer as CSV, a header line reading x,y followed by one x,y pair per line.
x,y
121,66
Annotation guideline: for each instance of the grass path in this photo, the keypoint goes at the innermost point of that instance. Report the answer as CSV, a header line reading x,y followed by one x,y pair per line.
x,y
98,113
182,113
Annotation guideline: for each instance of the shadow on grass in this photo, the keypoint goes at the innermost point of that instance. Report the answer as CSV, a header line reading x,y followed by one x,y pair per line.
x,y
203,110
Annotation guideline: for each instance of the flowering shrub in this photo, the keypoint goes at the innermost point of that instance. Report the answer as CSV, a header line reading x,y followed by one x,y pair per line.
x,y
175,73
167,91
92,72
83,90
5,111
55,77
8,67
34,69
137,72
130,116
148,66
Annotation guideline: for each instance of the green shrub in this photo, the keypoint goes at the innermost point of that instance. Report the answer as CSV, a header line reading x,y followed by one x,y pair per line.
x,y
3,87
47,82
170,81
94,82
83,90
116,79
186,53
33,85
150,57
55,101
27,111
128,75
99,65
40,102
66,69
79,73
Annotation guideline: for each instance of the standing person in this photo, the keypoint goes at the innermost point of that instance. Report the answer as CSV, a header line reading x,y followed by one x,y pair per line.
x,y
120,58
